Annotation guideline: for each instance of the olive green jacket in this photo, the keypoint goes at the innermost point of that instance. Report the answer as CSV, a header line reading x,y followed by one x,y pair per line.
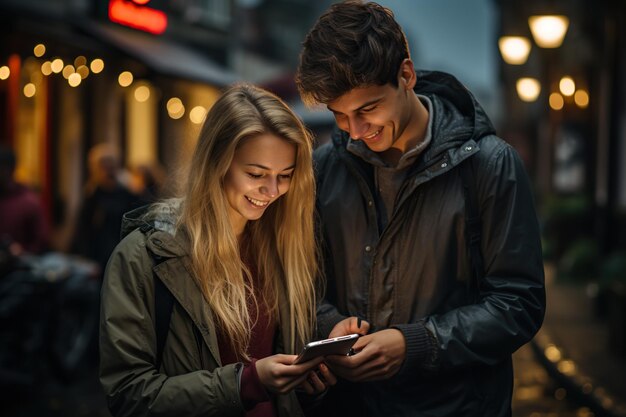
x,y
191,380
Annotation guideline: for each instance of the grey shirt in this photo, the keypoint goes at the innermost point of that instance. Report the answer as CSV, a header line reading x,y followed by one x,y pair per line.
x,y
388,177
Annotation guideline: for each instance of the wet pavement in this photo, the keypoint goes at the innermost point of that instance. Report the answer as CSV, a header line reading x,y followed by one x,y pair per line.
x,y
574,347
535,395
567,371
81,398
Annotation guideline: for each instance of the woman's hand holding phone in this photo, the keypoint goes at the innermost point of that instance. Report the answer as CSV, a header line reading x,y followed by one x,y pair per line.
x,y
323,377
319,380
280,375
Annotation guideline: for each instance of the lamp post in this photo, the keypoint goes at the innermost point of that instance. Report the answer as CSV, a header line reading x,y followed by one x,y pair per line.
x,y
548,32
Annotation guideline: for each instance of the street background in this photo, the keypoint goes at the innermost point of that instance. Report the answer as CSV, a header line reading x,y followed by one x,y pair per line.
x,y
130,81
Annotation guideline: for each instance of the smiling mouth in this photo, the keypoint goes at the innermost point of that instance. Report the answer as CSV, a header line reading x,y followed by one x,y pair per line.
x,y
257,203
373,135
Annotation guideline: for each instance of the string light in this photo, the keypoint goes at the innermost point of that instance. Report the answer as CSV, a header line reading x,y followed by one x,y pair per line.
x,y
30,90
4,72
175,108
125,79
39,50
74,79
197,114
97,65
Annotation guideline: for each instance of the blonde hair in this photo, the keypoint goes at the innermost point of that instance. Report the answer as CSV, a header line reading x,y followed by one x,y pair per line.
x,y
282,239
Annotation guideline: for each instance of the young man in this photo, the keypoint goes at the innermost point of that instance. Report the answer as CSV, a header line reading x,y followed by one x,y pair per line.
x,y
446,298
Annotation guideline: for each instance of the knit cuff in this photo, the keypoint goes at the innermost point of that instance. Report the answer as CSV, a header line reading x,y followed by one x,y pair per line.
x,y
252,391
421,347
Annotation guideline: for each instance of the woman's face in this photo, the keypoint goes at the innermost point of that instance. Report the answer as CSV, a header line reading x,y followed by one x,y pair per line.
x,y
259,174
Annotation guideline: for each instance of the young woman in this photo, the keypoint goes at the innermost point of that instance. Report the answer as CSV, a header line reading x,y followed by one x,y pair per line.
x,y
238,255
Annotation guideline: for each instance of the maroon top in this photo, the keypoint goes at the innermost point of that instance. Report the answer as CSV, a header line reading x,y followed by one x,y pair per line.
x,y
256,400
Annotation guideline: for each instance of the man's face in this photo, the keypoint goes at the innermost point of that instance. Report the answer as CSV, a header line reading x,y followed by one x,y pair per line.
x,y
379,115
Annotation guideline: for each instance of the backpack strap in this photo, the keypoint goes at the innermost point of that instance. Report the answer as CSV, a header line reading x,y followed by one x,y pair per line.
x,y
163,305
473,223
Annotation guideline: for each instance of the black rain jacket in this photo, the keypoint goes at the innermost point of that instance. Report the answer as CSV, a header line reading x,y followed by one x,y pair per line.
x,y
415,275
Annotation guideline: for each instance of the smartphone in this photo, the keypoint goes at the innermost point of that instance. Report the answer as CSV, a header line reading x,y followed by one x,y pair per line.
x,y
335,346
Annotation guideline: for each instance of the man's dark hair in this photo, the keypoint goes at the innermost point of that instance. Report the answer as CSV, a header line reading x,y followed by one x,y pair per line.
x,y
353,44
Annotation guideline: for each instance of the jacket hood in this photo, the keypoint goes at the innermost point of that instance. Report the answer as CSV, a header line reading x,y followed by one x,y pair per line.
x,y
161,216
159,222
457,116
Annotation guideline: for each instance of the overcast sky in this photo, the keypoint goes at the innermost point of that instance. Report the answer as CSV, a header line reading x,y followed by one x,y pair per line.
x,y
456,36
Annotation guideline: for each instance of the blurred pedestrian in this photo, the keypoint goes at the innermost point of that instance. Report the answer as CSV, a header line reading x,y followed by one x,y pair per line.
x,y
105,201
23,222
237,253
428,225
147,181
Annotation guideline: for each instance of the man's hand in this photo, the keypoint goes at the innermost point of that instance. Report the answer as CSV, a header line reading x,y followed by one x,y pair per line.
x,y
378,356
278,374
349,326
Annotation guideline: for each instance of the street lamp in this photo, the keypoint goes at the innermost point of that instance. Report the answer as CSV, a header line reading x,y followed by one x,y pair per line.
x,y
528,89
567,86
556,101
548,30
514,49
581,98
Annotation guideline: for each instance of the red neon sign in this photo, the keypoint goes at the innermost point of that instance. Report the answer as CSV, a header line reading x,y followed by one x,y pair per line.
x,y
136,16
